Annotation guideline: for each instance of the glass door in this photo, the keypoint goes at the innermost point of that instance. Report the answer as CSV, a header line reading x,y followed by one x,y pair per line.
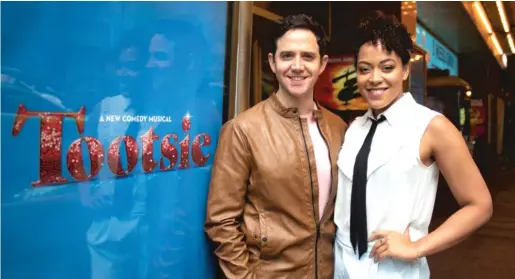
x,y
110,120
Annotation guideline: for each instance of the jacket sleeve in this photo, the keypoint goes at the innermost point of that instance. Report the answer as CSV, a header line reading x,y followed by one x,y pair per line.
x,y
226,200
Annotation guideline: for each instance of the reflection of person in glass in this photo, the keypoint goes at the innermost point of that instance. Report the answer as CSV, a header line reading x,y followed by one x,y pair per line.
x,y
160,60
172,73
128,71
389,166
174,55
116,235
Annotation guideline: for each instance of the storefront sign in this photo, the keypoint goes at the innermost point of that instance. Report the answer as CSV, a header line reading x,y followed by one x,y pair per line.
x,y
439,56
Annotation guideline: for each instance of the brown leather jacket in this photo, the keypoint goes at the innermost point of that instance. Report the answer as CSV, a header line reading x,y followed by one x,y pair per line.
x,y
262,211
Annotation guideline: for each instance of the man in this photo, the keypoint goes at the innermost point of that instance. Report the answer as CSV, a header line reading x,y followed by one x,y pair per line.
x,y
271,200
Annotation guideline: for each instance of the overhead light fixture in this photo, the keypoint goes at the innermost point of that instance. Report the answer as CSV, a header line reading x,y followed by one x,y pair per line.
x,y
468,93
505,60
496,44
510,42
482,15
477,12
502,14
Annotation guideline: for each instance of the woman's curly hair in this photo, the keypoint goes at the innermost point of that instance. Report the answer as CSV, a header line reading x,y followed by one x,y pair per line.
x,y
386,30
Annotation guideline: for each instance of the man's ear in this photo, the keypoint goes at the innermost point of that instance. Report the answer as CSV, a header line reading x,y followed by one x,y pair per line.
x,y
323,63
271,61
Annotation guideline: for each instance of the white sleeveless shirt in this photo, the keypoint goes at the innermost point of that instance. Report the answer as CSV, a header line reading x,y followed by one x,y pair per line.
x,y
401,190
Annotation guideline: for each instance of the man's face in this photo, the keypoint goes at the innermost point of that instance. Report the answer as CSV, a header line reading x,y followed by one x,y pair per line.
x,y
380,76
297,62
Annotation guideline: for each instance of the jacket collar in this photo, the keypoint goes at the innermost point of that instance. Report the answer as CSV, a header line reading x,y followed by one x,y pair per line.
x,y
290,112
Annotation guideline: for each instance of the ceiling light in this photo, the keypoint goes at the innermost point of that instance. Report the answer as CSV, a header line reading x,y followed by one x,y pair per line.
x,y
505,60
496,44
482,15
510,42
502,14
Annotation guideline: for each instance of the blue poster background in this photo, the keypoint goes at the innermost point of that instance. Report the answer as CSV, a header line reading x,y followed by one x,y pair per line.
x,y
117,60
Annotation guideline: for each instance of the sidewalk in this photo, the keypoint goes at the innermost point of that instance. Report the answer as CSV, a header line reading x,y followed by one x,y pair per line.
x,y
490,252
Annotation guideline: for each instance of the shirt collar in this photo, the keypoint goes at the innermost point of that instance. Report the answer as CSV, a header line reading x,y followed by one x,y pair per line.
x,y
396,113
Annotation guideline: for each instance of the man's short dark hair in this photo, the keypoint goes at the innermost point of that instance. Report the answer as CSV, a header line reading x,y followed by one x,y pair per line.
x,y
300,21
387,30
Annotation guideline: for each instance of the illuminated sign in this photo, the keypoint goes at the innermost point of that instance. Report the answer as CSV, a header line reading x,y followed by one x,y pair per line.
x,y
440,57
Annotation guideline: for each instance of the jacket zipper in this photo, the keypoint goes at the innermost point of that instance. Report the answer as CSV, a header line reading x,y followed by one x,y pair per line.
x,y
312,200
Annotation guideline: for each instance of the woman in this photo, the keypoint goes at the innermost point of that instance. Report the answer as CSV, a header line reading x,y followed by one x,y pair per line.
x,y
389,167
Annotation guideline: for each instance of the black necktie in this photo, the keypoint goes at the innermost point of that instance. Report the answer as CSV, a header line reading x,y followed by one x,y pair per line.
x,y
358,204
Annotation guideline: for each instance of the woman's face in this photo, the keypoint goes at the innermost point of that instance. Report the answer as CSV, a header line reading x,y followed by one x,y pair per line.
x,y
380,76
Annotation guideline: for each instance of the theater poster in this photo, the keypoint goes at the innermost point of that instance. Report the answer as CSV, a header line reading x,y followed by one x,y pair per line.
x,y
110,119
337,89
